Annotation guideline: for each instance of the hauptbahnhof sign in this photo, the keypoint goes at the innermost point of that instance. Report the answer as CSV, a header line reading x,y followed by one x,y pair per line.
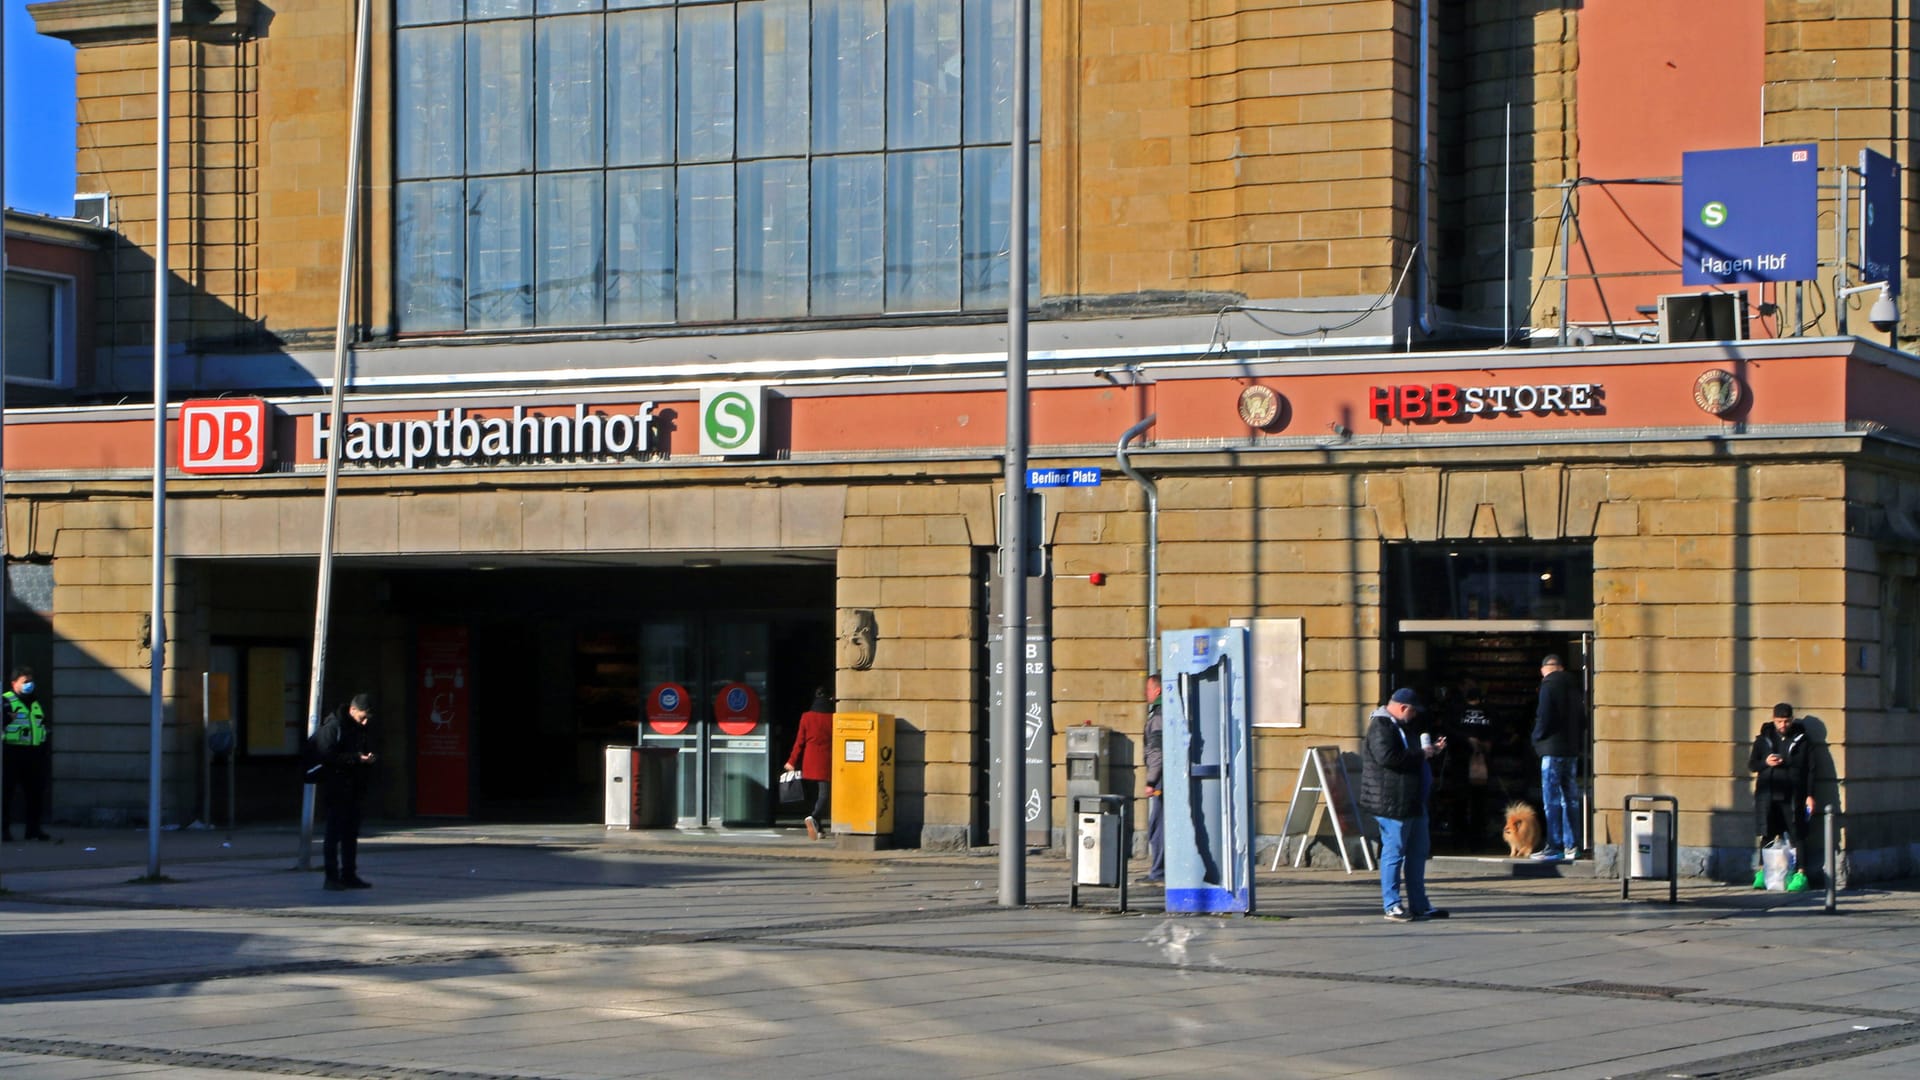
x,y
460,435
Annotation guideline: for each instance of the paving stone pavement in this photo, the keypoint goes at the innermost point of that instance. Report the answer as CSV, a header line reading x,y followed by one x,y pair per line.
x,y
560,952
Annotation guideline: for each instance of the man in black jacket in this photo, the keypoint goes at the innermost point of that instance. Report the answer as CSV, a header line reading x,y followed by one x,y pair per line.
x,y
1396,781
1782,764
346,751
1556,738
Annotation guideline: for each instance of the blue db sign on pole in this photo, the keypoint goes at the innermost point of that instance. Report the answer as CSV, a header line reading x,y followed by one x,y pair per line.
x,y
1880,221
1750,215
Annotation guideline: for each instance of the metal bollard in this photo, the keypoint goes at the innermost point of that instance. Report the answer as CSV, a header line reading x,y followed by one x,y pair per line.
x,y
1833,863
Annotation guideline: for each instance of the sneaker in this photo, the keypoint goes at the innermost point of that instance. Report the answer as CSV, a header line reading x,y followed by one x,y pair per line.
x,y
357,882
1433,913
1573,854
1396,913
813,828
1797,881
1546,855
336,885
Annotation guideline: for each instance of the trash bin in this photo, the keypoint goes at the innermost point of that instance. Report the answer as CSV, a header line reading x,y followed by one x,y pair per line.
x,y
1648,855
1651,840
653,787
1099,850
1096,841
621,762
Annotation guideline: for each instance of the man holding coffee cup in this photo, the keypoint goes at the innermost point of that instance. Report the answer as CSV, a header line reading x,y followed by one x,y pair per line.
x,y
1396,783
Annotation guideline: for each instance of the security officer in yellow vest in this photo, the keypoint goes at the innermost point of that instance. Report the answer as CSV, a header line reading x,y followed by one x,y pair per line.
x,y
28,757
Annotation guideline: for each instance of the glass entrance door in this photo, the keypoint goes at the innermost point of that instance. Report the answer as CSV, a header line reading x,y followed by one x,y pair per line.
x,y
704,684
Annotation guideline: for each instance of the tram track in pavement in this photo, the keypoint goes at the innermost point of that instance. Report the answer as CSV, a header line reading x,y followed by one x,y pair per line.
x,y
1896,1028
793,935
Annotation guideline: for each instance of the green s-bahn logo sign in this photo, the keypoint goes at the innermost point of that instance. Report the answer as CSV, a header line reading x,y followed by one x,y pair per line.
x,y
731,419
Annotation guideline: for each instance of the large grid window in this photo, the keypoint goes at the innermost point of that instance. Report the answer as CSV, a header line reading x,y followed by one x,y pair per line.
x,y
611,162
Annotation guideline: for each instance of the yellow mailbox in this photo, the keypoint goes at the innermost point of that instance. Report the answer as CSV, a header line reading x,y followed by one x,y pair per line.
x,y
863,775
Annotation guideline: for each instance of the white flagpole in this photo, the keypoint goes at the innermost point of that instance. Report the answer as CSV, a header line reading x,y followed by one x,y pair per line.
x,y
158,654
322,597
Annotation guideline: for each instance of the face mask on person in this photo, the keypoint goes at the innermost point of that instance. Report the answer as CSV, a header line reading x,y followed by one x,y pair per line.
x,y
27,687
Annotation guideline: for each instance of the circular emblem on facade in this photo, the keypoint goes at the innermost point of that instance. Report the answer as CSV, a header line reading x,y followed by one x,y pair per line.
x,y
1259,406
1716,392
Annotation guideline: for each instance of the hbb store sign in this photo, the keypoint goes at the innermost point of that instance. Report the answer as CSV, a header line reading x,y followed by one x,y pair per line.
x,y
1419,403
224,435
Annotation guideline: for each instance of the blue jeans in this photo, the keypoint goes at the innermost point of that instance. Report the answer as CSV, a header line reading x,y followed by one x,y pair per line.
x,y
1403,850
1560,791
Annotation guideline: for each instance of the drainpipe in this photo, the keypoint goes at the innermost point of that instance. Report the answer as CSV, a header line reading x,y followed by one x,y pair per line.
x,y
1422,285
1153,539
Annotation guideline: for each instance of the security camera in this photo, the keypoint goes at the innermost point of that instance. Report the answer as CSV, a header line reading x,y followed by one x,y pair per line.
x,y
1885,314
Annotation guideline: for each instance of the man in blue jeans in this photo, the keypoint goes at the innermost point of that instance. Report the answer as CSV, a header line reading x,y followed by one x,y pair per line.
x,y
1556,738
1396,782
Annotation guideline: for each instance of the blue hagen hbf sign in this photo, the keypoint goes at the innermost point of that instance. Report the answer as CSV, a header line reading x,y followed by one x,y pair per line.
x,y
1749,214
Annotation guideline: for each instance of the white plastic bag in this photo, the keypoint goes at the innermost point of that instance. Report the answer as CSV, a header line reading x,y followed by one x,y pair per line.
x,y
1776,864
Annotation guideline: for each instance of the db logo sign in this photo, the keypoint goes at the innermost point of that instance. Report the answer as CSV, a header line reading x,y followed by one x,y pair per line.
x,y
228,435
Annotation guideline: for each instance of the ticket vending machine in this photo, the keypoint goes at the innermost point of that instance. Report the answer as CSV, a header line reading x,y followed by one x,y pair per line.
x,y
1207,769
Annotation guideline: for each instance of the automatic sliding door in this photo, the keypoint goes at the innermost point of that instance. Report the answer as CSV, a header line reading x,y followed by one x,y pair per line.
x,y
672,723
704,682
737,743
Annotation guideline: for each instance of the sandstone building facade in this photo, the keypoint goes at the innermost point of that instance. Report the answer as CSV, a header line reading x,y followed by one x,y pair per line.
x,y
586,222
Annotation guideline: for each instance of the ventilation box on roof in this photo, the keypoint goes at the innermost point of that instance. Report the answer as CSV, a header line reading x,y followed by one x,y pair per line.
x,y
1703,317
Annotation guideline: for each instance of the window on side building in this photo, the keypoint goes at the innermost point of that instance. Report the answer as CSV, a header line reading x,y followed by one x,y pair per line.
x,y
573,163
39,329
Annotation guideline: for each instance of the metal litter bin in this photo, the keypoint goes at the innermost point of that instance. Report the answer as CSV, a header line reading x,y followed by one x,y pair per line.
x,y
1651,843
620,770
1099,849
1649,850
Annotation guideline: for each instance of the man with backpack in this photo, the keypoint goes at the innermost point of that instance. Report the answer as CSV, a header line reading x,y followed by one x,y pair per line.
x,y
343,750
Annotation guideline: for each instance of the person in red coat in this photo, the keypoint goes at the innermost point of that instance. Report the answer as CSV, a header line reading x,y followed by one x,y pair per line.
x,y
813,756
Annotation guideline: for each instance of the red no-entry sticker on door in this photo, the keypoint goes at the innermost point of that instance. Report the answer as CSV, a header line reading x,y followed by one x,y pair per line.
x,y
737,709
669,709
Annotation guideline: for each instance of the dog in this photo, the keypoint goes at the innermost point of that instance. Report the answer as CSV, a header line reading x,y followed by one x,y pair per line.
x,y
1522,832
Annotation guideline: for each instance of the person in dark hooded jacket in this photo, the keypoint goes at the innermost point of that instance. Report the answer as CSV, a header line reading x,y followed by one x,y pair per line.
x,y
1782,764
346,749
1396,782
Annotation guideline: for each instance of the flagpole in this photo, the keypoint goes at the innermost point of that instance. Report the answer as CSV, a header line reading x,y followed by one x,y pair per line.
x,y
322,601
158,633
